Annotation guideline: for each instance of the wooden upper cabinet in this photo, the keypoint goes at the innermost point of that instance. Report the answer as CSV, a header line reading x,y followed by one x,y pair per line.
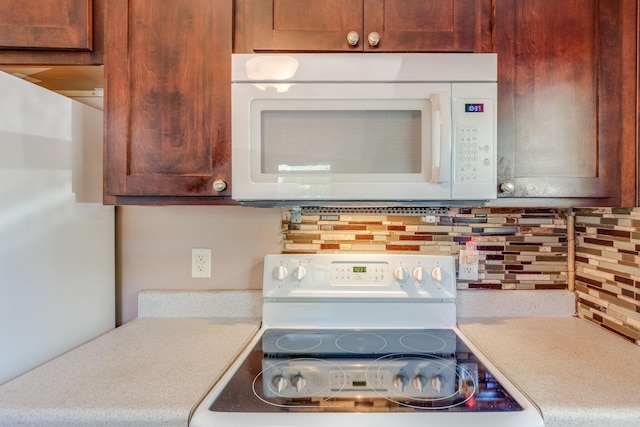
x,y
167,100
567,98
428,26
51,32
302,25
46,24
399,25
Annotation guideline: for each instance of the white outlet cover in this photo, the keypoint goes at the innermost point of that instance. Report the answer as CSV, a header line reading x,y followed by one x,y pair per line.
x,y
201,262
467,271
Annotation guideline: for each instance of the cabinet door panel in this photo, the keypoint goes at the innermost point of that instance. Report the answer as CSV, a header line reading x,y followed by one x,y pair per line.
x,y
563,98
306,25
167,97
429,26
46,24
556,93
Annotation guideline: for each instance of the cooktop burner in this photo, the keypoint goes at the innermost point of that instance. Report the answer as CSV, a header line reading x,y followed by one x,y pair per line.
x,y
356,370
360,343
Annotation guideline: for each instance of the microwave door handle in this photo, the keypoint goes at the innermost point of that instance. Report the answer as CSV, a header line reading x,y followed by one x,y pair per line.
x,y
439,133
436,145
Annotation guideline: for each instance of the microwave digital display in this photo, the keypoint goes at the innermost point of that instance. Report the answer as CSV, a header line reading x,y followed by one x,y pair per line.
x,y
474,108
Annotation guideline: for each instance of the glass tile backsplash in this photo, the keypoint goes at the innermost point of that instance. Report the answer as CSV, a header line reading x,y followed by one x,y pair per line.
x,y
607,277
519,248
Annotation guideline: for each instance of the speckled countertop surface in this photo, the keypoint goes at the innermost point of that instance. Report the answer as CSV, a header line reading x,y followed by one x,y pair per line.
x,y
149,372
578,374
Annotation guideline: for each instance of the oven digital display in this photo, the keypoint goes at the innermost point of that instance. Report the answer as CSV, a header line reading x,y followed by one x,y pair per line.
x,y
359,273
474,108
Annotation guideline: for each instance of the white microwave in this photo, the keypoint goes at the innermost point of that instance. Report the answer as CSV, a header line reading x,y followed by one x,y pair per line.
x,y
321,128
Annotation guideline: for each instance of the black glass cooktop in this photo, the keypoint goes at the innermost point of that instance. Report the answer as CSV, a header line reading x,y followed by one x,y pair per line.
x,y
362,371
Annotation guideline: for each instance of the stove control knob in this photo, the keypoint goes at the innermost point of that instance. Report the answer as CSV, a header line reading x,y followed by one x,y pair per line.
x,y
436,274
279,382
298,382
436,383
418,274
299,273
399,381
401,274
418,381
280,272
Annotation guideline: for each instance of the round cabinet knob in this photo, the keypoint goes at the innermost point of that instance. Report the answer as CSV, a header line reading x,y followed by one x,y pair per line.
x,y
436,274
418,274
299,273
353,38
374,39
280,272
279,383
399,381
418,382
298,382
507,187
400,274
219,185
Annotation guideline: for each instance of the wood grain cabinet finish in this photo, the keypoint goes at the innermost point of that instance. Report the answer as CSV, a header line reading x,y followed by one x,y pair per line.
x,y
567,98
567,85
402,25
567,77
167,100
51,31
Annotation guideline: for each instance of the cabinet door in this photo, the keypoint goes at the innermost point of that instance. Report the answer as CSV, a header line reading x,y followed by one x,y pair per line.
x,y
428,26
51,32
306,25
566,84
167,98
403,25
46,24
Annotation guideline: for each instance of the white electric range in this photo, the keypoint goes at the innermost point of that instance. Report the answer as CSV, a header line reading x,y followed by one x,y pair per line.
x,y
362,339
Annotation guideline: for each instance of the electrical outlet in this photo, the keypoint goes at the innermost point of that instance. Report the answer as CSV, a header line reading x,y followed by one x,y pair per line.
x,y
468,265
201,262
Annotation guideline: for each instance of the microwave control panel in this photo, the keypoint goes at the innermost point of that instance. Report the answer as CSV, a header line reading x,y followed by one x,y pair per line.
x,y
474,141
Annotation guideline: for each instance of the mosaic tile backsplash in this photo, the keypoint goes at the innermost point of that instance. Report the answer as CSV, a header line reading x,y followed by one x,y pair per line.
x,y
519,248
607,277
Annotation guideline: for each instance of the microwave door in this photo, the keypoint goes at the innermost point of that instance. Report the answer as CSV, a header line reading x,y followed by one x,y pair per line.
x,y
382,142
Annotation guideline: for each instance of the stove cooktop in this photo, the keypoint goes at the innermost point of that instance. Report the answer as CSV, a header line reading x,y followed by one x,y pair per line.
x,y
293,370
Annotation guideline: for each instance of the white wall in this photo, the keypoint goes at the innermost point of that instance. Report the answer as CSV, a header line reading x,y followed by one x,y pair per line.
x,y
154,248
57,277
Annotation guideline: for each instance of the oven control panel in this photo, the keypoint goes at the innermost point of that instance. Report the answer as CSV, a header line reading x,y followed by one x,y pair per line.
x,y
360,276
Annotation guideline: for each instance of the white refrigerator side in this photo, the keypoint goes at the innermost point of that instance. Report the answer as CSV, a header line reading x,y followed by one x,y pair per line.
x,y
57,260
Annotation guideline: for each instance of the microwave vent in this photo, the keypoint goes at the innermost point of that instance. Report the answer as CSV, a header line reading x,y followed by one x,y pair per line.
x,y
382,210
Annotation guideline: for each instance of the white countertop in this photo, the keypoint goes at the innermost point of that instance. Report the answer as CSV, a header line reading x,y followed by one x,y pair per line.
x,y
149,372
153,370
577,373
